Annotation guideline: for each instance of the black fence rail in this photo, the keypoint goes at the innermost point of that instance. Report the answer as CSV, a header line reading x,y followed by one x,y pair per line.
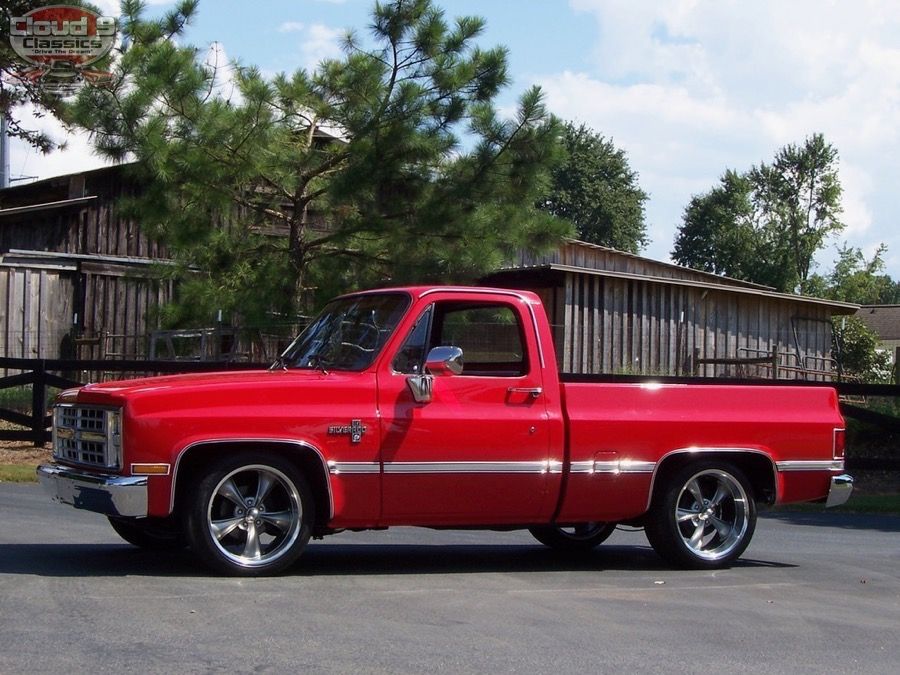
x,y
46,375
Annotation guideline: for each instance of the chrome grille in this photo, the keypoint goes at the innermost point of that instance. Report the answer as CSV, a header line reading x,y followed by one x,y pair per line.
x,y
87,435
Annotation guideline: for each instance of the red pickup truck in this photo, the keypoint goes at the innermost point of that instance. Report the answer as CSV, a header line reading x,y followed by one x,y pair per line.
x,y
437,407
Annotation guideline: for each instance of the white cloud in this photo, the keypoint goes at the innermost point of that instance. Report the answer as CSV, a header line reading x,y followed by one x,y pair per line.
x,y
692,87
107,7
858,185
291,27
319,42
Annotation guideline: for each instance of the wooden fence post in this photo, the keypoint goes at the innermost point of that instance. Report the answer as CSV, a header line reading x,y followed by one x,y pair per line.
x,y
775,360
38,404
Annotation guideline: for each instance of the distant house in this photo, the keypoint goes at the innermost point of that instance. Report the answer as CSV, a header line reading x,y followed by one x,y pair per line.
x,y
75,273
884,321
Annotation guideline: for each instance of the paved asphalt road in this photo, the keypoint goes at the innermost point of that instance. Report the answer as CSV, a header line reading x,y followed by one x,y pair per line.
x,y
814,594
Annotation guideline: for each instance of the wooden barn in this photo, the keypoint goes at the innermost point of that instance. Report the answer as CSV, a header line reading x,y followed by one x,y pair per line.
x,y
618,313
76,278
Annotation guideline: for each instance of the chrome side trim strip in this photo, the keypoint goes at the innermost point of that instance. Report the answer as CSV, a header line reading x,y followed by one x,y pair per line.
x,y
353,467
605,467
583,467
613,467
554,466
473,467
811,465
269,441
636,466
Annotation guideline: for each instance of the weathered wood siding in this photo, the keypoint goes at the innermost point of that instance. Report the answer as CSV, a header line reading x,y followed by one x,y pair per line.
x,y
41,309
95,227
36,311
47,303
633,327
119,307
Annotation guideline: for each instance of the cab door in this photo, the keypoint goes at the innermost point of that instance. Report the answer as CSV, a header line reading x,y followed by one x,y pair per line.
x,y
478,451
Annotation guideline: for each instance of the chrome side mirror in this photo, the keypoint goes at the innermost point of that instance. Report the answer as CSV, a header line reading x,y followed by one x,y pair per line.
x,y
441,362
444,361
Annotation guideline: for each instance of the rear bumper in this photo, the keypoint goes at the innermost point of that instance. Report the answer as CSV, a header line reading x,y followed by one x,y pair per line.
x,y
102,493
840,490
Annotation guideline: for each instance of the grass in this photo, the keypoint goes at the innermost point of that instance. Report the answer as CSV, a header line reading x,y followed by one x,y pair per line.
x,y
17,473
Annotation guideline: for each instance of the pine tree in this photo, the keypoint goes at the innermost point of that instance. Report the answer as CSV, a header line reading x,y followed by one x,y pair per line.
x,y
387,165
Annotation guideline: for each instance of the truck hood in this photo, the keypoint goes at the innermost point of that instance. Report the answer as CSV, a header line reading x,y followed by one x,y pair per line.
x,y
220,390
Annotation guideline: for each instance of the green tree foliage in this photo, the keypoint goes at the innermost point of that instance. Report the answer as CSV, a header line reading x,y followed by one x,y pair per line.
x,y
799,200
595,189
857,280
854,346
860,281
387,165
718,233
767,225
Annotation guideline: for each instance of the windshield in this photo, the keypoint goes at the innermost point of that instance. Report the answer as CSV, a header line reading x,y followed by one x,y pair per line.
x,y
348,334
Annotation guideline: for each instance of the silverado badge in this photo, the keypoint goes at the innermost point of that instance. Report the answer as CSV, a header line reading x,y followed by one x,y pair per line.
x,y
355,430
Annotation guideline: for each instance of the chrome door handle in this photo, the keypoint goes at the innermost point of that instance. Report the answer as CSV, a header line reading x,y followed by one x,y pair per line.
x,y
534,392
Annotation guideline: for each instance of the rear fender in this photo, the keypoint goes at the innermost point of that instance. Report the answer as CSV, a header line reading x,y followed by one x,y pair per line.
x,y
757,464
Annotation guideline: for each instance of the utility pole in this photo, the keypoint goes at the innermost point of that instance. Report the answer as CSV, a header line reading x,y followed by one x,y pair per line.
x,y
4,153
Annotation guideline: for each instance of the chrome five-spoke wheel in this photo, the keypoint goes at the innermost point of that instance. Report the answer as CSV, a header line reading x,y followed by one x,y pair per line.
x,y
251,515
704,517
254,515
711,513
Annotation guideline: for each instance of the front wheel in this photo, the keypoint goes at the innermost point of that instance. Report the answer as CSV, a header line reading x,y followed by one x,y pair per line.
x,y
250,515
580,537
704,518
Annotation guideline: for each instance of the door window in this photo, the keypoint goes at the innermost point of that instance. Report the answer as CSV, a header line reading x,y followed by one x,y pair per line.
x,y
490,336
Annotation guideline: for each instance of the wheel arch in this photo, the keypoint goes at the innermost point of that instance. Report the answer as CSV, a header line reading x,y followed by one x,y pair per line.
x,y
305,456
756,464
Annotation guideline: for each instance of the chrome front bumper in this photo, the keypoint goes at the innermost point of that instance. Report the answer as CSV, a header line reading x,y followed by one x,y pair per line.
x,y
840,490
102,493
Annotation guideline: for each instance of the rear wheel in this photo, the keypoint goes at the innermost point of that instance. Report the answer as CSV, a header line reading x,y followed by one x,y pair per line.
x,y
704,518
147,533
580,537
250,515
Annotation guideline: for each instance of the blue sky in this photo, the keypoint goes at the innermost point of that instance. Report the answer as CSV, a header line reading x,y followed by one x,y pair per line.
x,y
687,88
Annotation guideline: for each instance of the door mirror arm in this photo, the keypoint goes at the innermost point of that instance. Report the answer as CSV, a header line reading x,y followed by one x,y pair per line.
x,y
441,362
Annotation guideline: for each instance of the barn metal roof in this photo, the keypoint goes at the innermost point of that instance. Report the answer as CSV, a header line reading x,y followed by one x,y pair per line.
x,y
838,308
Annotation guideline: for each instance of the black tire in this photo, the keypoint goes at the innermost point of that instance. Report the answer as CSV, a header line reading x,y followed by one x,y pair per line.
x,y
147,533
703,517
250,514
581,537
